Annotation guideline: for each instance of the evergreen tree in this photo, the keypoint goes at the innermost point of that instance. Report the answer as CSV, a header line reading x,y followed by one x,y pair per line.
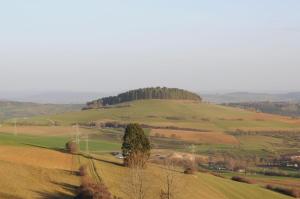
x,y
136,146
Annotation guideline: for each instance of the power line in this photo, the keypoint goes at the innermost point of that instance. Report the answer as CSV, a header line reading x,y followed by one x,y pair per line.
x,y
15,127
87,144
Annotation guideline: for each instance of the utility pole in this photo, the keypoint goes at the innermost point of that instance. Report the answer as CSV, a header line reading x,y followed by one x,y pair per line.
x,y
87,144
78,136
15,127
193,149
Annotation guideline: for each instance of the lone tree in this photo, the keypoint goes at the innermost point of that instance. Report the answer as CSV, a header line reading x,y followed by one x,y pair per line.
x,y
136,146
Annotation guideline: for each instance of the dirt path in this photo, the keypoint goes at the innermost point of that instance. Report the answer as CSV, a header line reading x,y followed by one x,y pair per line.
x,y
92,168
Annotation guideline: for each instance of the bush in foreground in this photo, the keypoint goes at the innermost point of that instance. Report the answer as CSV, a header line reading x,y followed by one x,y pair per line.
x,y
90,190
284,190
83,170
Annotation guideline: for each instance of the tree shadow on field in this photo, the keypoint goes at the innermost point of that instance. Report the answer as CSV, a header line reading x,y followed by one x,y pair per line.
x,y
49,148
80,154
54,195
57,194
103,160
9,196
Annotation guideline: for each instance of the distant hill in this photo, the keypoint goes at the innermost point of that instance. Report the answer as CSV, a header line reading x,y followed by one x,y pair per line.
x,y
281,108
51,97
11,109
251,97
143,94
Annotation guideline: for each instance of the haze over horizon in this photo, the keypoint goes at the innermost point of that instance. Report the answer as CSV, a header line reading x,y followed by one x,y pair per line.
x,y
111,46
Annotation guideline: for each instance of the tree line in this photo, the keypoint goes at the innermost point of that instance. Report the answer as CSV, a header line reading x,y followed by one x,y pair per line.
x,y
145,93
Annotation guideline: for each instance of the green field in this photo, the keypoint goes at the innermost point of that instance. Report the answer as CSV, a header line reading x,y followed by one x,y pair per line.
x,y
55,142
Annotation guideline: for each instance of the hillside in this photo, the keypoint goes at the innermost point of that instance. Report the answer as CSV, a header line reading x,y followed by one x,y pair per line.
x,y
144,93
174,126
11,109
280,108
176,113
39,172
236,97
51,97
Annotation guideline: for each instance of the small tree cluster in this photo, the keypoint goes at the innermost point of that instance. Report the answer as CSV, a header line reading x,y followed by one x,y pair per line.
x,y
72,147
234,164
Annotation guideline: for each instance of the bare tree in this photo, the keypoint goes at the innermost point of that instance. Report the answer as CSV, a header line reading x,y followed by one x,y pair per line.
x,y
135,184
169,190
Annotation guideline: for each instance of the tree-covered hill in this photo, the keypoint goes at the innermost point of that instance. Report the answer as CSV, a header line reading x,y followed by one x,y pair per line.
x,y
145,93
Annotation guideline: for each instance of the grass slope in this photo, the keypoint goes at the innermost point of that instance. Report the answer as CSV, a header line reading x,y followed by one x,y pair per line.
x,y
186,114
32,172
188,186
37,172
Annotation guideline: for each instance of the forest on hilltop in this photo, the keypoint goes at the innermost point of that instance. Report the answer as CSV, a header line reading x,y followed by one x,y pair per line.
x,y
145,93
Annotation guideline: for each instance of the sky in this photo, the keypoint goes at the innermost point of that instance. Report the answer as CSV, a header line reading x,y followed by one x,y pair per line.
x,y
104,46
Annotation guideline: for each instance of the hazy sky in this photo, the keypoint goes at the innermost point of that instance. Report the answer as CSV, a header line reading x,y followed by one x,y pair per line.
x,y
96,45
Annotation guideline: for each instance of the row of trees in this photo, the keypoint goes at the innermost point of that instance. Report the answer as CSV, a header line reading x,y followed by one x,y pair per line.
x,y
146,93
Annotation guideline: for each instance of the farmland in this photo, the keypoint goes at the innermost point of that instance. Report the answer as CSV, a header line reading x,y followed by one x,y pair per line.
x,y
175,127
44,173
184,114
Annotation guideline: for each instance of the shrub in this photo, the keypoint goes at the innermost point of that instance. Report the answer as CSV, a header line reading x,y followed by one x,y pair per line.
x,y
91,190
242,179
217,175
284,190
72,147
83,170
190,167
190,171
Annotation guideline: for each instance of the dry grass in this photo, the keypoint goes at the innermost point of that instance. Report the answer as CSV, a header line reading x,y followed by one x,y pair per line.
x,y
27,182
29,173
37,157
196,186
197,137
